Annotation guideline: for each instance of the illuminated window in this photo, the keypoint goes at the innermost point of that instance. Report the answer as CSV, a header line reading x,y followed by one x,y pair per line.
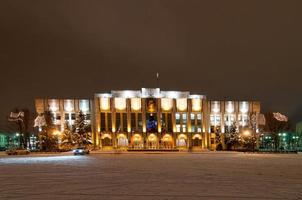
x,y
104,103
215,120
84,105
196,104
68,105
120,103
166,104
215,106
136,104
243,107
181,104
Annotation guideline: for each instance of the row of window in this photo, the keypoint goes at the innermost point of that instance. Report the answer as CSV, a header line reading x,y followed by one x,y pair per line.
x,y
68,116
136,120
229,119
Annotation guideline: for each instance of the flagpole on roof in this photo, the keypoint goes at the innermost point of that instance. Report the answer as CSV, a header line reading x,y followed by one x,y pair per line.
x,y
157,79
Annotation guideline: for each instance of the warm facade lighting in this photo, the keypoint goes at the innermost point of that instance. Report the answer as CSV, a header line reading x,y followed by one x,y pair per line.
x,y
246,133
196,105
181,104
136,104
53,105
68,105
105,103
215,107
120,103
229,107
244,107
166,104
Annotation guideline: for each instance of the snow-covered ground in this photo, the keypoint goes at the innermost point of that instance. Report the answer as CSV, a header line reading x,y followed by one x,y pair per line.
x,y
152,176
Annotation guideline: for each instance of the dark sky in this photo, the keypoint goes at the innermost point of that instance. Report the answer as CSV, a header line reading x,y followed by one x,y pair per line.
x,y
225,49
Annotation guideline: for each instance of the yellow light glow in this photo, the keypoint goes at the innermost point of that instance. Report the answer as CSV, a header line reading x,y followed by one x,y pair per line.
x,y
152,137
136,104
181,104
166,104
159,129
137,137
105,103
167,138
121,135
57,133
120,103
196,104
182,136
246,133
106,135
197,136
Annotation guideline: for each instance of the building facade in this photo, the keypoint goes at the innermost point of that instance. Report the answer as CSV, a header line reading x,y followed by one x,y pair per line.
x,y
152,119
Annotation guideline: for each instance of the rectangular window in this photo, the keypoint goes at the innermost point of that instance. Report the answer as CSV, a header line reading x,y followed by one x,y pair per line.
x,y
58,117
133,120
109,119
87,117
118,127
125,122
184,128
103,124
192,116
184,118
169,121
177,127
140,122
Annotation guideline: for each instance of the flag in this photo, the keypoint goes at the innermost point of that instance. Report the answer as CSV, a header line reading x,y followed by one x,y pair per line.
x,y
40,121
280,117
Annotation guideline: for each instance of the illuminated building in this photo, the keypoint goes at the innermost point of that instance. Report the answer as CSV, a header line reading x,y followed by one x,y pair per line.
x,y
154,119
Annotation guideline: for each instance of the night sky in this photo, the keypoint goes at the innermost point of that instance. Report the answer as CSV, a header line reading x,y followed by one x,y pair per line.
x,y
238,50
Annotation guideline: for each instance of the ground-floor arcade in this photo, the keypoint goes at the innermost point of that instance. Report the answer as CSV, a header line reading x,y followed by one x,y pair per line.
x,y
149,141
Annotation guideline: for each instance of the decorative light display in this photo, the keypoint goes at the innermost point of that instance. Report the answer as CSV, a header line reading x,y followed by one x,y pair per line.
x,y
181,104
196,104
136,104
166,104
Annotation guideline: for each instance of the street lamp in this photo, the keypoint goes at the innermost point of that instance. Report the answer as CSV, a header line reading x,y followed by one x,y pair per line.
x,y
247,133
